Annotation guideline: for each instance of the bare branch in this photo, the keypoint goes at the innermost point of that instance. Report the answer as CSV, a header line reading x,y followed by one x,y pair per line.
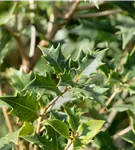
x,y
124,131
116,90
72,10
98,14
68,144
33,30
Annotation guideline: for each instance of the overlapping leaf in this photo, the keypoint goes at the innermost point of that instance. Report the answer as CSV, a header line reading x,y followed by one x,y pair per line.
x,y
58,126
55,58
10,137
89,64
43,84
19,79
25,107
73,118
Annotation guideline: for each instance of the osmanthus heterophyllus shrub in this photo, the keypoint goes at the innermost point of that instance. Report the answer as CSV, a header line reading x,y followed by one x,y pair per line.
x,y
45,101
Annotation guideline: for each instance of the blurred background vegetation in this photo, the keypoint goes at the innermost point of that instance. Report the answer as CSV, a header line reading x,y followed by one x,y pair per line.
x,y
76,25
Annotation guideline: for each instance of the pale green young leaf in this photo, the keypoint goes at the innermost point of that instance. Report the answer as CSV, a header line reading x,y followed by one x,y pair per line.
x,y
26,129
58,126
88,130
10,137
25,107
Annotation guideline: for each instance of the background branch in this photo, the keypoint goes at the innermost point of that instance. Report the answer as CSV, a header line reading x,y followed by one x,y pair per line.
x,y
98,14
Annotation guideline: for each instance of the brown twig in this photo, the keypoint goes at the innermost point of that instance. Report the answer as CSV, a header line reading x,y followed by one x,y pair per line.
x,y
72,10
116,90
123,132
68,144
98,14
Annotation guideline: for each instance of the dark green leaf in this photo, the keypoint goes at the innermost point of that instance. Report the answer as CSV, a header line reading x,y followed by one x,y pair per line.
x,y
25,107
59,126
45,83
19,79
55,58
73,118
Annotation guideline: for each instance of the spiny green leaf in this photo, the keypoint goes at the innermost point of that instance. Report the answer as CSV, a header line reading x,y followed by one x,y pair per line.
x,y
55,58
59,126
19,79
25,107
45,83
89,64
73,118
92,92
89,129
10,137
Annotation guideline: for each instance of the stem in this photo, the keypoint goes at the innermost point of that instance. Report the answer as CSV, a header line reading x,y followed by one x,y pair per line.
x,y
116,90
98,14
43,112
68,144
124,131
72,10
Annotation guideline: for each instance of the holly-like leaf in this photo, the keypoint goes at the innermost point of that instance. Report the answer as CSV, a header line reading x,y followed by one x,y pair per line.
x,y
93,92
10,137
45,83
25,107
89,63
58,126
19,79
73,118
55,58
88,130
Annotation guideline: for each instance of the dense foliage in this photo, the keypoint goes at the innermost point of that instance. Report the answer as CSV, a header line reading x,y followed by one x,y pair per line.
x,y
67,75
